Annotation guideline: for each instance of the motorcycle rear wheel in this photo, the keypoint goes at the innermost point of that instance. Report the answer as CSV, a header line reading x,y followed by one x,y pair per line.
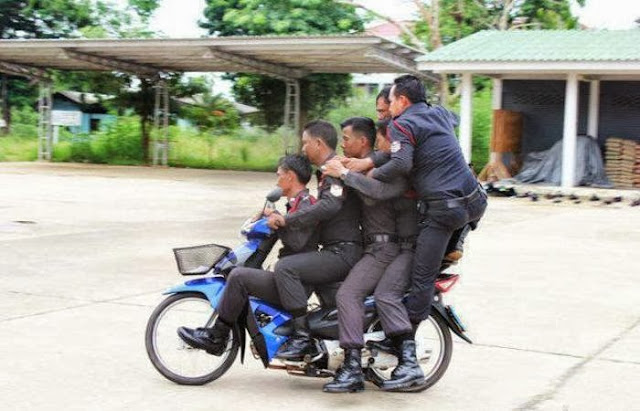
x,y
171,356
434,348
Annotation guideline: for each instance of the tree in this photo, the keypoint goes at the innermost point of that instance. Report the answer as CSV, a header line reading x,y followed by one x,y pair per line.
x,y
284,17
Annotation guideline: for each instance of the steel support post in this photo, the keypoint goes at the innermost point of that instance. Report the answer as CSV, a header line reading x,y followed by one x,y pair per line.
x,y
161,124
45,103
292,112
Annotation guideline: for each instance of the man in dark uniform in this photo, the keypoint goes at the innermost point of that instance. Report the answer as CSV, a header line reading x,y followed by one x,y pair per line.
x,y
381,248
393,284
294,172
425,148
337,214
383,103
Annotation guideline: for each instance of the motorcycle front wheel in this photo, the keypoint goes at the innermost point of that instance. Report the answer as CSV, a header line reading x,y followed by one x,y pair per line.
x,y
434,348
171,356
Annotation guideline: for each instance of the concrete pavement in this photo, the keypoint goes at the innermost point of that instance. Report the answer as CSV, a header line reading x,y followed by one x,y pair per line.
x,y
549,292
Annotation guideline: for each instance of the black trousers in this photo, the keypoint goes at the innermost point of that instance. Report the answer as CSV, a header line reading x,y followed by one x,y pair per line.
x,y
241,283
361,282
329,265
436,229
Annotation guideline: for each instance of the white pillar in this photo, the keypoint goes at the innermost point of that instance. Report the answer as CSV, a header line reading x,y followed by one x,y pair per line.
x,y
496,104
466,112
594,107
569,136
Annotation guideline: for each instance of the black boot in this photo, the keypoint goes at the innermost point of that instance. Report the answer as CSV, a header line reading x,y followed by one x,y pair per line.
x,y
408,375
213,340
349,377
392,344
300,343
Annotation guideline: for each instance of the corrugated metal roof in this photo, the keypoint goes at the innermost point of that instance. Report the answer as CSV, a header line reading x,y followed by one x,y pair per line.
x,y
300,55
542,46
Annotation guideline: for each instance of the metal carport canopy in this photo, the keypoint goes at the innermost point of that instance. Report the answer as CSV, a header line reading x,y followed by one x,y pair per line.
x,y
288,58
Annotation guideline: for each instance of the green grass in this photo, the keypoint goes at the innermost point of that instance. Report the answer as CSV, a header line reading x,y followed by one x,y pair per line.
x,y
238,151
13,148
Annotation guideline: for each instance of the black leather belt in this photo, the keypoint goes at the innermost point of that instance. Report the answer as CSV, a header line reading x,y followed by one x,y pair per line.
x,y
382,238
341,243
424,205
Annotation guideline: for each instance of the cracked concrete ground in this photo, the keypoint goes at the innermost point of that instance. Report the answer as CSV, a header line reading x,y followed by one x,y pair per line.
x,y
549,292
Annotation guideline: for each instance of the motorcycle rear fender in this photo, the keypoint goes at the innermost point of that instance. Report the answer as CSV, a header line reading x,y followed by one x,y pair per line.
x,y
211,287
441,311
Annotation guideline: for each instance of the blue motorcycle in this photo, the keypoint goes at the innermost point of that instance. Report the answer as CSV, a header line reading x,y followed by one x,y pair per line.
x,y
193,304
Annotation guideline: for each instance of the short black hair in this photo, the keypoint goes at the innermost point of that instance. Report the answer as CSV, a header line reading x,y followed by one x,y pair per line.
x,y
363,126
382,127
297,163
384,93
411,87
323,130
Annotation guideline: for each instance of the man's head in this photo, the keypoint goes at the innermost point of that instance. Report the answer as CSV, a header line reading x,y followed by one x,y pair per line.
x,y
406,91
382,104
383,142
319,140
358,136
294,172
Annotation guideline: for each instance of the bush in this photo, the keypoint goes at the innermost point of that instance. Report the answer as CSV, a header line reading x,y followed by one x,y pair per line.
x,y
243,150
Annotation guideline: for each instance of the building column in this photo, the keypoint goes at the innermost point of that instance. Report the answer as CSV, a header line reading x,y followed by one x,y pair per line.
x,y
466,115
569,136
594,108
496,104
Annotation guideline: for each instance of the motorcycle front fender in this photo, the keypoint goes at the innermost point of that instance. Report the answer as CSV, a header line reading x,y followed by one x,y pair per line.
x,y
211,287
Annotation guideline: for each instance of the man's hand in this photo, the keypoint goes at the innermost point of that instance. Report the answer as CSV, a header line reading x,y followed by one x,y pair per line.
x,y
359,164
275,221
333,168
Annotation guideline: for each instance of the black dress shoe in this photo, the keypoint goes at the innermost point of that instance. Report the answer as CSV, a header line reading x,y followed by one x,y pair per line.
x,y
300,343
211,340
385,345
408,375
296,348
349,377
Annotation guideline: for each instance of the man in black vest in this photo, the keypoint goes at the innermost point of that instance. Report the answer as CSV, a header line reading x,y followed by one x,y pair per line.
x,y
425,148
337,214
294,172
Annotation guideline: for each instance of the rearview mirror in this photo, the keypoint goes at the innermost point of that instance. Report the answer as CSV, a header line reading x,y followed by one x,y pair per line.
x,y
274,195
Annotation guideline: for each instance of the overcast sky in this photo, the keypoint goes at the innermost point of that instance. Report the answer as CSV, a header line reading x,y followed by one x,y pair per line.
x,y
175,19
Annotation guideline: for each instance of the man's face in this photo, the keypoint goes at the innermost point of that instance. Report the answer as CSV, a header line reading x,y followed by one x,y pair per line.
x,y
352,145
311,148
382,143
382,109
285,180
398,103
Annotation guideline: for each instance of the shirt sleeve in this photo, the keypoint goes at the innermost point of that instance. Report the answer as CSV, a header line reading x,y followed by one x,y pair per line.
x,y
375,189
297,239
332,196
401,161
379,158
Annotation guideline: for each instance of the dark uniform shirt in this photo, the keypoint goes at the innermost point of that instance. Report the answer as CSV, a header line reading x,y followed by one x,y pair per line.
x,y
424,146
337,213
404,204
378,215
299,240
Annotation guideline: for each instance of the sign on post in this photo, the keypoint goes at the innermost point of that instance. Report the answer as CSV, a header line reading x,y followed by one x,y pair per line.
x,y
66,118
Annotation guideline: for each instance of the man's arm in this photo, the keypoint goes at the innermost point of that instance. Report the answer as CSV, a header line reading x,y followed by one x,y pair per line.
x,y
401,161
375,189
329,203
297,239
